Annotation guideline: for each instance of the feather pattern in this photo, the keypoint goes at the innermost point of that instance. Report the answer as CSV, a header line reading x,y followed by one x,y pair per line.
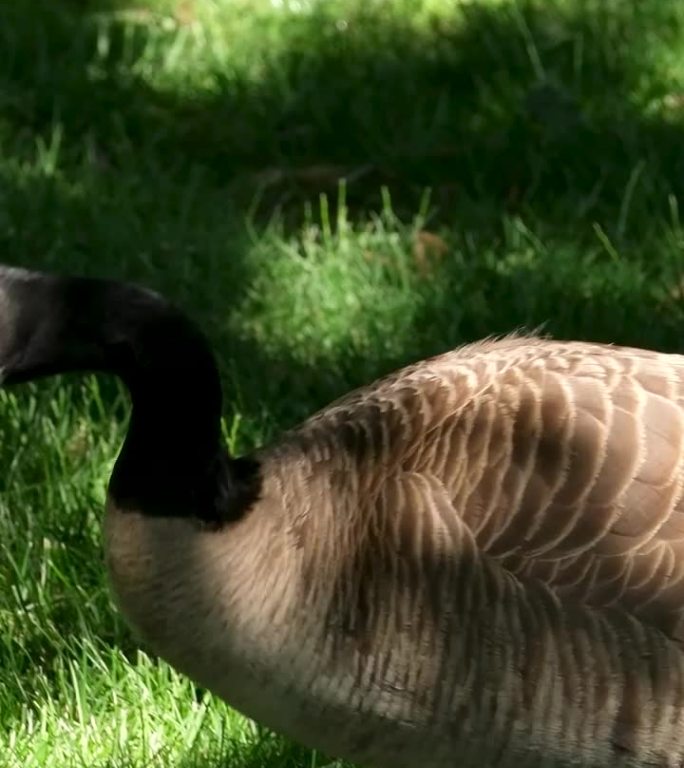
x,y
476,561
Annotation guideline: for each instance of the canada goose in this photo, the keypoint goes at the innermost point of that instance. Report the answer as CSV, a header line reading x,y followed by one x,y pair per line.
x,y
475,561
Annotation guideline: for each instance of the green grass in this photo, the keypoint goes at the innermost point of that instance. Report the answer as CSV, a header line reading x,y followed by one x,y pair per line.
x,y
331,189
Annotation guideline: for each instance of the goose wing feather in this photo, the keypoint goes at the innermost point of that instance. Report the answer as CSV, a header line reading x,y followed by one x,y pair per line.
x,y
563,461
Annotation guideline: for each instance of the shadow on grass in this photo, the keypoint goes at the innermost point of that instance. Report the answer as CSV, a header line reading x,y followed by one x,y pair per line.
x,y
270,750
538,110
500,106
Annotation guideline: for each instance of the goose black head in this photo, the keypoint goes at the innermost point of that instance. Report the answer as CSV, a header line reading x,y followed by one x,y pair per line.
x,y
173,462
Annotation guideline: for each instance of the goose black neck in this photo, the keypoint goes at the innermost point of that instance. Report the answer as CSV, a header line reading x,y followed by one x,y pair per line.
x,y
172,462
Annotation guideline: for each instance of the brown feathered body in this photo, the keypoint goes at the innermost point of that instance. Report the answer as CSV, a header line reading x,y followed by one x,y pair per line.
x,y
477,561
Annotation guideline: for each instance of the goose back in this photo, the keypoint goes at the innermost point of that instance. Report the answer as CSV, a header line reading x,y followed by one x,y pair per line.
x,y
476,560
